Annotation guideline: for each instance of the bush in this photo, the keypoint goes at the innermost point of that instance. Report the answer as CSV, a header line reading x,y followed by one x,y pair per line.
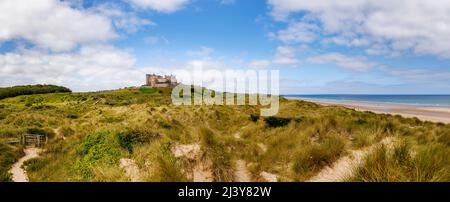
x,y
30,90
131,137
97,149
35,164
254,117
72,116
147,90
273,122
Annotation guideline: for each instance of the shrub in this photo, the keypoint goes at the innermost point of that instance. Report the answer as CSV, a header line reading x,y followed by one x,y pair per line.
x,y
147,90
254,117
97,149
72,116
360,121
273,122
131,137
35,164
31,89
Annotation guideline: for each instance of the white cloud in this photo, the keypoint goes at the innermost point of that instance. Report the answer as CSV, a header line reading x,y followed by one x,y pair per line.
x,y
90,68
298,32
152,40
202,53
343,61
284,55
52,24
420,76
420,26
127,21
165,6
258,64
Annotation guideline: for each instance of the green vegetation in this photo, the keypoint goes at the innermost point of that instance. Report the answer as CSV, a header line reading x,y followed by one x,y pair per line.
x,y
315,157
8,155
98,149
430,163
148,90
30,90
216,152
91,132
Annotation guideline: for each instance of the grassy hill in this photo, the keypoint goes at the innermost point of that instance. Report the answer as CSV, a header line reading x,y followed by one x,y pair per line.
x,y
91,132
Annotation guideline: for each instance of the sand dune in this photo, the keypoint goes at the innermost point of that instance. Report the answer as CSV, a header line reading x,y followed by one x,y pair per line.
x,y
435,114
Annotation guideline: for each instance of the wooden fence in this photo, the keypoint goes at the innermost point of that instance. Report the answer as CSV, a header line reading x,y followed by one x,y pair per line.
x,y
29,139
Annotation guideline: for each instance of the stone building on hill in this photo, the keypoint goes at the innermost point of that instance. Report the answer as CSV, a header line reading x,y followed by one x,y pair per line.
x,y
158,81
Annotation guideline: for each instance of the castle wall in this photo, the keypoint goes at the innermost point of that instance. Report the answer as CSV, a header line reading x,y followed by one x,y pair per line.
x,y
158,81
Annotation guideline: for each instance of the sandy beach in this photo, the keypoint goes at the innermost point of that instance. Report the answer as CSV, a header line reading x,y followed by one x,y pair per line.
x,y
435,114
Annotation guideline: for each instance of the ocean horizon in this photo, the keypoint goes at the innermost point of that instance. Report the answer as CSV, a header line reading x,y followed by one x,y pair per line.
x,y
417,100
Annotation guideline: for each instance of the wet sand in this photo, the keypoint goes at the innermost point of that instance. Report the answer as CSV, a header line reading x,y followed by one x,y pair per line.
x,y
435,114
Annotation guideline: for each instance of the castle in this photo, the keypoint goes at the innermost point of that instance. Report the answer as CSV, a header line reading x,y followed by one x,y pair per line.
x,y
158,81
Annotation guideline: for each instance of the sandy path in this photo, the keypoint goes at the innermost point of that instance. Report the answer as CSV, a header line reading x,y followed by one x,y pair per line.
x,y
340,169
190,151
131,169
202,172
19,174
241,173
345,166
269,177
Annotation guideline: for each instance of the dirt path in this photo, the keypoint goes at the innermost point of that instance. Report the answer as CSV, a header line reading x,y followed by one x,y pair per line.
x,y
19,174
189,151
131,169
345,166
241,173
202,172
269,177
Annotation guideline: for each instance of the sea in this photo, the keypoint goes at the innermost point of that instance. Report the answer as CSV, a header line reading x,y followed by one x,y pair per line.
x,y
417,100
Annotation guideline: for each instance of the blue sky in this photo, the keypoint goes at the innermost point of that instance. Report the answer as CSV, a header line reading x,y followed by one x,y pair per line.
x,y
323,46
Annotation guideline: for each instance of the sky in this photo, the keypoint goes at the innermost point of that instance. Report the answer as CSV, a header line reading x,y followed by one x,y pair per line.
x,y
319,47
